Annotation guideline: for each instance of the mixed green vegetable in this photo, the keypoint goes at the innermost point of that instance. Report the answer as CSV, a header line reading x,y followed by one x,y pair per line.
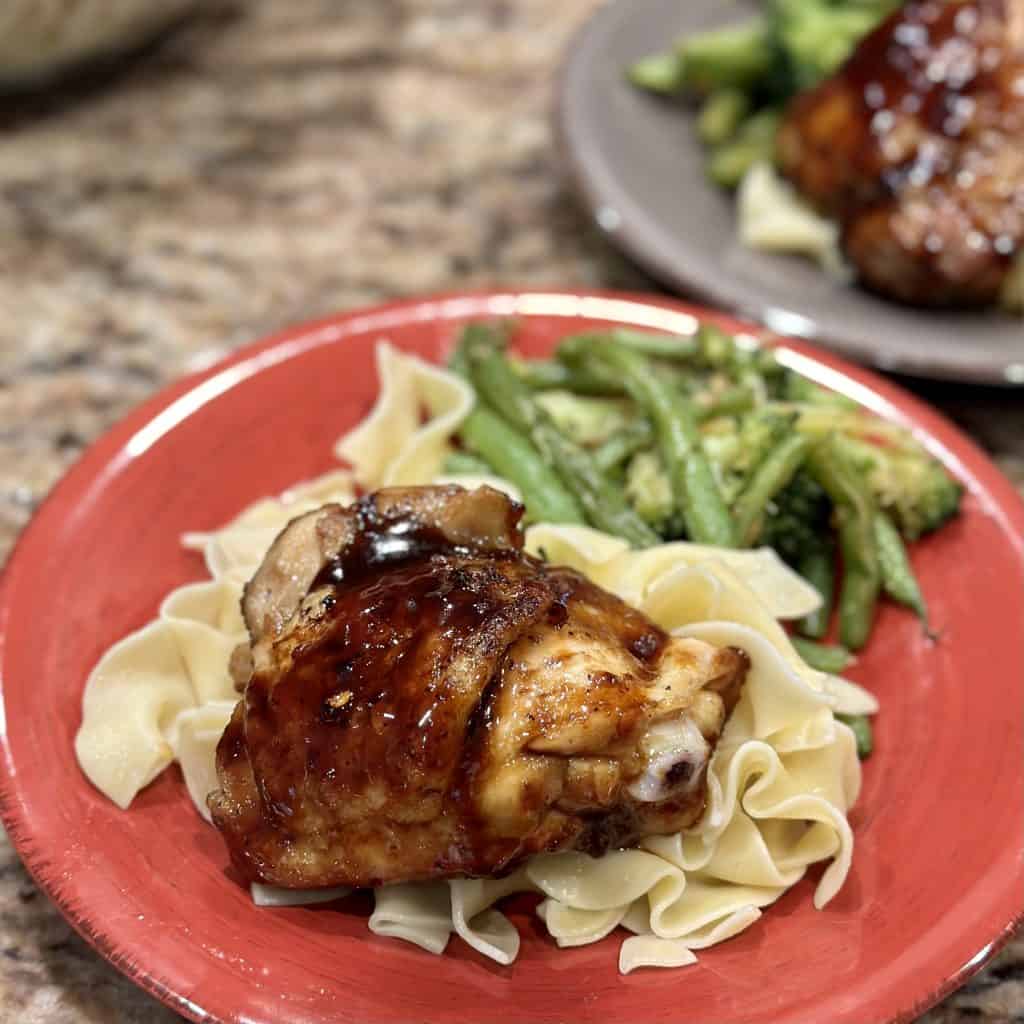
x,y
709,438
745,73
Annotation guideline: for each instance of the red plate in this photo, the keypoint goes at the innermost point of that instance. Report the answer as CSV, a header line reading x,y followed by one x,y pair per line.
x,y
937,881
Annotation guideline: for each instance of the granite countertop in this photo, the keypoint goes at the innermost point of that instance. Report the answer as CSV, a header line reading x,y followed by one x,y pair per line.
x,y
267,163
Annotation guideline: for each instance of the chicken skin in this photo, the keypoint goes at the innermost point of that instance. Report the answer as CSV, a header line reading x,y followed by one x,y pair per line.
x,y
917,146
426,701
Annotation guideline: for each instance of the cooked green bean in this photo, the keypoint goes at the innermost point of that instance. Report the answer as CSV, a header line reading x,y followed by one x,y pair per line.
x,y
752,142
512,455
718,350
462,463
731,402
648,489
542,375
737,55
798,388
661,72
621,446
676,347
861,726
758,435
728,164
831,658
818,567
515,459
585,419
715,348
497,383
898,579
721,115
855,511
745,445
603,505
761,126
694,488
775,471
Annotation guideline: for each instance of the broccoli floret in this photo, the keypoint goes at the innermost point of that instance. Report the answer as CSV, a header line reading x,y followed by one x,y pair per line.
x,y
649,491
908,483
816,36
796,521
792,46
587,421
798,388
735,56
734,450
721,444
759,433
912,486
925,507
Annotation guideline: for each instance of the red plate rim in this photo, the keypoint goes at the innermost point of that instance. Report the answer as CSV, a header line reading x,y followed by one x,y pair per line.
x,y
162,412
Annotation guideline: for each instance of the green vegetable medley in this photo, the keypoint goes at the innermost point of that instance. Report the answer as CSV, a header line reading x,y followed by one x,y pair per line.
x,y
746,72
709,438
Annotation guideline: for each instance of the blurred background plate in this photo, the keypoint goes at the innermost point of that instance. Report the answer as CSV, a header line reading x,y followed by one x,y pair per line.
x,y
640,170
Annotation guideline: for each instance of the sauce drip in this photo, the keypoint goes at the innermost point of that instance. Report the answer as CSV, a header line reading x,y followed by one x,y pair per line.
x,y
384,541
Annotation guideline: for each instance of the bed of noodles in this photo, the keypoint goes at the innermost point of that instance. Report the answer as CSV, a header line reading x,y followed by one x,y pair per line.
x,y
781,780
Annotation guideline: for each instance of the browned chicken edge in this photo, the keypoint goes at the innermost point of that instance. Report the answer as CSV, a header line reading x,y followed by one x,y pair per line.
x,y
425,700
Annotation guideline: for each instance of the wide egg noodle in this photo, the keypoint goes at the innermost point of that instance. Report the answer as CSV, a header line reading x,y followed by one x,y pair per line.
x,y
163,693
673,599
782,593
579,547
599,883
651,951
394,445
722,928
236,550
599,556
206,621
743,855
195,734
846,698
476,920
273,896
638,920
775,694
704,903
136,693
418,912
569,926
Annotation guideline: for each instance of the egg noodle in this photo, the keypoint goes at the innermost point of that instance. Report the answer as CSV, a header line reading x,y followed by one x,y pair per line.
x,y
781,780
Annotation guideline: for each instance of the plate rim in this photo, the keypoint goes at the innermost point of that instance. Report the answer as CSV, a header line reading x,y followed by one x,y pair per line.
x,y
628,237
474,302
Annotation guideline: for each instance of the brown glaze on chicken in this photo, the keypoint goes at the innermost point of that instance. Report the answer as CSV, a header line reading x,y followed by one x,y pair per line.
x,y
917,146
427,701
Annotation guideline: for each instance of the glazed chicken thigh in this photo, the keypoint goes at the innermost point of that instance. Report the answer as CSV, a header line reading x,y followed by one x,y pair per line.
x,y
425,700
917,146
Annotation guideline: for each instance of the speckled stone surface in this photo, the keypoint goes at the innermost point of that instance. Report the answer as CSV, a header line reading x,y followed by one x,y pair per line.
x,y
267,163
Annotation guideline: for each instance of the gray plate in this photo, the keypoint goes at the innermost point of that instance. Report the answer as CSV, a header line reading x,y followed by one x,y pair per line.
x,y
640,170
